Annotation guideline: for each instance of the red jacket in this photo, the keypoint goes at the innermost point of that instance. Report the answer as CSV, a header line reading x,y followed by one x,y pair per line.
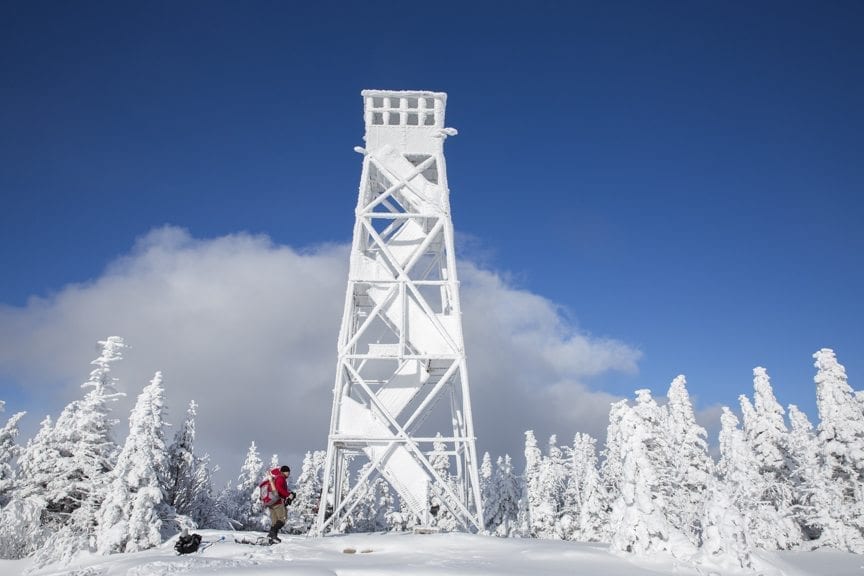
x,y
281,483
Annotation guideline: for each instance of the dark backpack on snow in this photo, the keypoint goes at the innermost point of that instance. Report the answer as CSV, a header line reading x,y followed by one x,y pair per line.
x,y
187,544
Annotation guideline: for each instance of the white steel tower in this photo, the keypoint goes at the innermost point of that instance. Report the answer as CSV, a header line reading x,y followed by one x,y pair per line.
x,y
401,379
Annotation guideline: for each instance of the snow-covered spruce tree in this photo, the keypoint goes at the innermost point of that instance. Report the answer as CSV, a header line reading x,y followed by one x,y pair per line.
x,y
180,471
659,450
9,450
813,489
386,505
487,495
530,500
737,465
387,501
132,515
553,481
80,446
21,530
375,506
638,518
308,491
364,513
239,502
188,479
724,530
486,472
584,497
691,467
345,464
36,463
443,517
81,443
739,470
501,507
204,508
249,505
841,436
766,433
612,455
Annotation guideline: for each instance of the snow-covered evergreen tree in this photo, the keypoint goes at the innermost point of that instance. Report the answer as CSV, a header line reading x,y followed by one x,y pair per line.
x,y
584,499
550,497
252,473
308,491
724,531
611,468
654,418
739,470
204,509
660,451
82,452
9,450
736,460
21,529
442,517
180,472
841,436
132,514
691,467
638,518
84,435
531,498
486,472
501,507
239,501
36,463
85,430
766,433
488,497
813,489
386,505
766,430
364,514
375,507
80,446
188,479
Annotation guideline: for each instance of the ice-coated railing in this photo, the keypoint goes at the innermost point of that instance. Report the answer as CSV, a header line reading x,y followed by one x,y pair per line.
x,y
404,108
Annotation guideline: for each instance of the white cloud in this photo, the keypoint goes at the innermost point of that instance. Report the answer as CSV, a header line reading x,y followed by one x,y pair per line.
x,y
248,329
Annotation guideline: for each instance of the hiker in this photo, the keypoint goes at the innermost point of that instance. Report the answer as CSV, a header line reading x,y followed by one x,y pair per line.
x,y
278,479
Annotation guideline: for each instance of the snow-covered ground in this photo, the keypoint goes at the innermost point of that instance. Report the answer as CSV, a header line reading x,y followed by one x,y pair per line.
x,y
418,554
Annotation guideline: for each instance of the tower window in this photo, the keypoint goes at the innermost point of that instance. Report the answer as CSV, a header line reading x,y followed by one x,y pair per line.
x,y
401,111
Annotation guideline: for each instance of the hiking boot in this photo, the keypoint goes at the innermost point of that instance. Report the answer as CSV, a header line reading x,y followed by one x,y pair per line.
x,y
274,539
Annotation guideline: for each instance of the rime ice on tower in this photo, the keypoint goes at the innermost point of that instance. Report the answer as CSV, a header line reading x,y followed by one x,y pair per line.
x,y
401,378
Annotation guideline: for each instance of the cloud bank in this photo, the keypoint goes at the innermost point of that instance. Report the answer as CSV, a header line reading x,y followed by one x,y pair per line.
x,y
248,329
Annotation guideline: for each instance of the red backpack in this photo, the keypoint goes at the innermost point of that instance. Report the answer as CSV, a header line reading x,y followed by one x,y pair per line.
x,y
267,493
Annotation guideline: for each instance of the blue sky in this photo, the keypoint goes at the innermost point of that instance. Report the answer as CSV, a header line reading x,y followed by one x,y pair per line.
x,y
684,178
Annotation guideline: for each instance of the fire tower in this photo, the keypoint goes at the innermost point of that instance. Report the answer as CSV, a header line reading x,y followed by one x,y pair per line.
x,y
401,378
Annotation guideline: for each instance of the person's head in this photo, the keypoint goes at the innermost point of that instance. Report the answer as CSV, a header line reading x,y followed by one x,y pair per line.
x,y
286,471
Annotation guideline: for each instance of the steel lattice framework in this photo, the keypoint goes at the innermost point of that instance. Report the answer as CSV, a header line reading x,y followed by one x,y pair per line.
x,y
400,349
